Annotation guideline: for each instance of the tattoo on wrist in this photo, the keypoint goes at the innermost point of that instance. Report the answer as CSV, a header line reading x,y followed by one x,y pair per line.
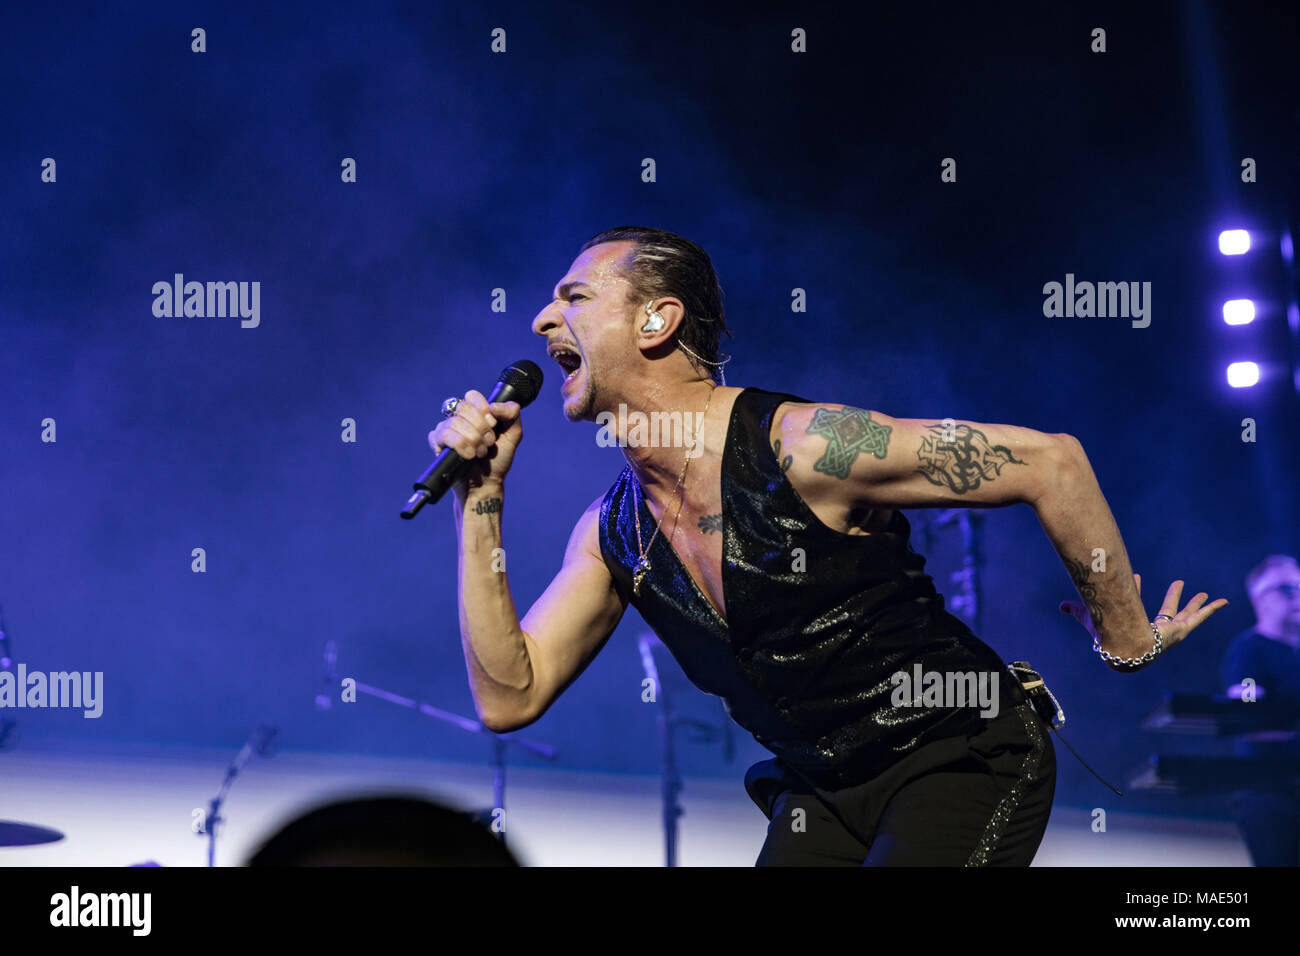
x,y
962,461
488,506
711,523
1080,574
848,432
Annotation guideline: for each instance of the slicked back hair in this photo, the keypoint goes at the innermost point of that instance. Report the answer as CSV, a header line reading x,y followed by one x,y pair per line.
x,y
662,264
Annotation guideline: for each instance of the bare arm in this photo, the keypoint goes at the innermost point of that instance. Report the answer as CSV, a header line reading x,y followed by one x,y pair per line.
x,y
864,459
517,669
1080,525
844,460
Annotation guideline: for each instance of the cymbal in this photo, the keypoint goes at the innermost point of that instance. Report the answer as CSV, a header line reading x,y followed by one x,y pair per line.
x,y
26,834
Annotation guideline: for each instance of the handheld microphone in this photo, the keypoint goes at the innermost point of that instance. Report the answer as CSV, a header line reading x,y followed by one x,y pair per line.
x,y
519,382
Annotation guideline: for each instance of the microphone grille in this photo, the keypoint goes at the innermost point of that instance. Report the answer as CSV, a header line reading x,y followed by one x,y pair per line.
x,y
525,378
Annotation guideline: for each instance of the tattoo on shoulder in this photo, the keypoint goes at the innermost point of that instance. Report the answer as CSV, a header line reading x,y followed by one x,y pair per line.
x,y
1080,574
960,457
787,461
849,432
711,523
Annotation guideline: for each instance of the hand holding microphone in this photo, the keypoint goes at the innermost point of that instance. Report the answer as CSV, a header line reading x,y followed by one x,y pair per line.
x,y
477,442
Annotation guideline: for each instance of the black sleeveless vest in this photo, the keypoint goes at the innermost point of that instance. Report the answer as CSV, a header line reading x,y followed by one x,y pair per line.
x,y
818,621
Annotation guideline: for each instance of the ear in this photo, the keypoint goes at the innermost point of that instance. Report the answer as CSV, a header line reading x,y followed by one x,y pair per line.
x,y
672,311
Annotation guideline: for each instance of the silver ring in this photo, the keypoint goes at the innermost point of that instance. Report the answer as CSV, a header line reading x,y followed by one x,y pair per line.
x,y
1165,616
449,407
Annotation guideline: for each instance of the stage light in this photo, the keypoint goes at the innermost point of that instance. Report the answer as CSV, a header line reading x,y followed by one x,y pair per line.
x,y
1243,374
1238,311
1234,242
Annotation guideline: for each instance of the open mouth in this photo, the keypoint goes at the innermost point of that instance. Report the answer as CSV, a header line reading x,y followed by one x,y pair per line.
x,y
568,359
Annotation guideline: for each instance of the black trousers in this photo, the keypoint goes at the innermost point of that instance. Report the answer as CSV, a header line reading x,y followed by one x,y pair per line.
x,y
977,800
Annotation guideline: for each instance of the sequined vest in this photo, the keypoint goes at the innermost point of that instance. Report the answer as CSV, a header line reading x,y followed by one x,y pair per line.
x,y
818,621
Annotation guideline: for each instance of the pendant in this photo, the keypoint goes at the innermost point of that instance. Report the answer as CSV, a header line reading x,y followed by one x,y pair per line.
x,y
641,568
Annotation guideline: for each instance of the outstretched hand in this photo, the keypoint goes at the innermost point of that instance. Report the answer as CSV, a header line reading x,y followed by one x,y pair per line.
x,y
1173,628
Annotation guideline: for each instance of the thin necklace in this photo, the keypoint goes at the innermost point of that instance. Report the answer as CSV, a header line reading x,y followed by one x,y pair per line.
x,y
643,565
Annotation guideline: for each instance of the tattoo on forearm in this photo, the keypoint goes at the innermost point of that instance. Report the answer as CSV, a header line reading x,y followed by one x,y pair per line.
x,y
489,506
848,433
711,523
1079,574
787,461
962,462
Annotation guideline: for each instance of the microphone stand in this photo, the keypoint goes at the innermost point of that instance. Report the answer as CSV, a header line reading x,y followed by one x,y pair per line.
x,y
500,742
11,832
259,743
668,722
6,662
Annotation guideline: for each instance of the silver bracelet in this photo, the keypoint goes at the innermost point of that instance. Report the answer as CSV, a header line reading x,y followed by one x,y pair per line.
x,y
1132,661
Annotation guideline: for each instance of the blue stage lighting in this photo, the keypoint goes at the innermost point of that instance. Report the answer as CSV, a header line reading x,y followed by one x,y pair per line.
x,y
1238,311
1234,242
1243,374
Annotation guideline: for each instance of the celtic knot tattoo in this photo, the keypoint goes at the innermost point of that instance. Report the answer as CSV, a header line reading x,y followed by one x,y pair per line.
x,y
962,461
849,433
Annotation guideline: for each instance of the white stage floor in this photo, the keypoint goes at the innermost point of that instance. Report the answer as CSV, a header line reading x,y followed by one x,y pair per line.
x,y
137,806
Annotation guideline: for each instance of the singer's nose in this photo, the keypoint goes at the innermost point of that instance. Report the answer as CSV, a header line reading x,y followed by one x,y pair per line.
x,y
546,320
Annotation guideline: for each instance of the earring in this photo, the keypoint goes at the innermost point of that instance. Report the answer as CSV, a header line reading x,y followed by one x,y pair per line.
x,y
656,321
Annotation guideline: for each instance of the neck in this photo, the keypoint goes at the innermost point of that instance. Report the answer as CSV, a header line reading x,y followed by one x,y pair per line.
x,y
663,427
